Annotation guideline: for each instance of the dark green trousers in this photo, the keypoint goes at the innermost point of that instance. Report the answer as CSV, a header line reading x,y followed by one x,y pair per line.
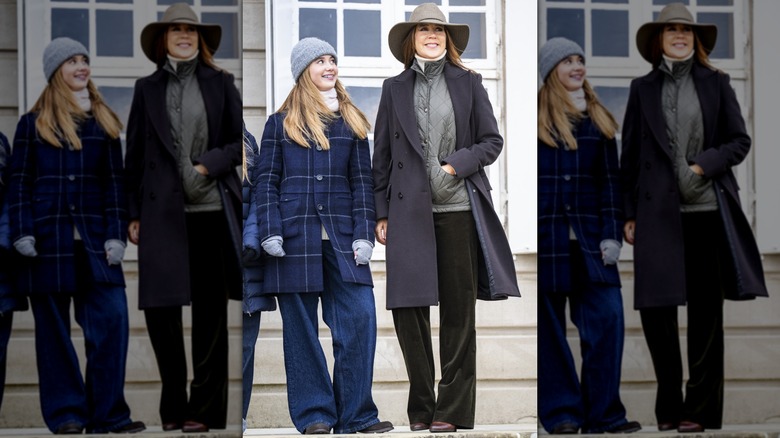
x,y
706,258
457,261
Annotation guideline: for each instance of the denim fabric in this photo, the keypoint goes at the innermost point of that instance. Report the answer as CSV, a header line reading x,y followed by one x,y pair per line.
x,y
249,340
592,402
348,309
97,399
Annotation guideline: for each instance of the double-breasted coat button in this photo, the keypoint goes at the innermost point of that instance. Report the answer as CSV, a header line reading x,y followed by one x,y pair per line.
x,y
395,135
319,177
319,148
320,207
72,207
566,177
400,164
400,195
72,177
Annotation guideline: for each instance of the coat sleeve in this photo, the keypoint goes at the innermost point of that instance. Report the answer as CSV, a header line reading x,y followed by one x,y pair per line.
x,y
224,158
629,156
730,125
134,155
22,177
115,215
362,186
251,235
488,142
270,166
382,158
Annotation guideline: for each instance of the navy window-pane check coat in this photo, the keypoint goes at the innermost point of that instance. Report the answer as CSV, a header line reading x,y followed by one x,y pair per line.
x,y
54,190
299,190
578,189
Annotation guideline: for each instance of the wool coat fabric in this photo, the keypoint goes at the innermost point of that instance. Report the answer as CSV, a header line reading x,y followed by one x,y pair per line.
x,y
54,190
9,299
154,183
652,198
578,190
253,256
403,196
300,189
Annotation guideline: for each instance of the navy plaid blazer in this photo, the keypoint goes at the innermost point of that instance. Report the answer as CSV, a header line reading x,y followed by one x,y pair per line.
x,y
579,190
53,191
301,189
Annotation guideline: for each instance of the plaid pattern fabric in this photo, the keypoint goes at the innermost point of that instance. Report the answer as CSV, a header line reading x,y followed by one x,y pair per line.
x,y
299,190
577,190
52,190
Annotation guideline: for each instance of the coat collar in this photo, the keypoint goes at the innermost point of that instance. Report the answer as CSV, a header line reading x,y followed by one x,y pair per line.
x,y
402,88
705,81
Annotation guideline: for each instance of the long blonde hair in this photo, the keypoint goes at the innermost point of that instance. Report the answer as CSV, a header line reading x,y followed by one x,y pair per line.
x,y
556,113
59,115
307,114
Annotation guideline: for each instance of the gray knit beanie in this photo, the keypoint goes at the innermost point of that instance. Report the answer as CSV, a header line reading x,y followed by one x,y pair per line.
x,y
554,51
58,51
306,51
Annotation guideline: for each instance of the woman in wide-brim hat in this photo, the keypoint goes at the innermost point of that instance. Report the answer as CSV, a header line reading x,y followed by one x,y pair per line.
x,y
683,133
184,142
435,134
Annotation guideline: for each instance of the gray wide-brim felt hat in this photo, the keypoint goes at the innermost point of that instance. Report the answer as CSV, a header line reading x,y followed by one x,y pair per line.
x,y
554,51
58,51
426,13
179,13
674,13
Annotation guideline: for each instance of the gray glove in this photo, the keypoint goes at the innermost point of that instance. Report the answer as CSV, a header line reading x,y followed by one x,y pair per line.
x,y
273,246
363,249
25,245
610,251
115,251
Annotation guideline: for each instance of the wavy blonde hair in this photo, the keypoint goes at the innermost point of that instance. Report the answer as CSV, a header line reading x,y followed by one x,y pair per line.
x,y
307,115
59,114
556,113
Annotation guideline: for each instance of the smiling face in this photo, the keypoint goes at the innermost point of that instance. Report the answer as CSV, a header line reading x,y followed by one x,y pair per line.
x,y
76,72
677,41
324,72
571,72
430,40
181,41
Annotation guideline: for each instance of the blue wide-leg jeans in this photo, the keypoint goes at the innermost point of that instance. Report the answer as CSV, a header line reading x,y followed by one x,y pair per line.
x,y
96,400
591,402
345,403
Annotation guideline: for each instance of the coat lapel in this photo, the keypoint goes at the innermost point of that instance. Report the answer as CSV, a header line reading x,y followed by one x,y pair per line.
x,y
155,94
462,99
402,90
212,93
707,88
650,98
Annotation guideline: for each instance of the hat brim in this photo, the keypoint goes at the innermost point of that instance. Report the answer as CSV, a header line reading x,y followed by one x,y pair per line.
x,y
707,33
395,39
212,35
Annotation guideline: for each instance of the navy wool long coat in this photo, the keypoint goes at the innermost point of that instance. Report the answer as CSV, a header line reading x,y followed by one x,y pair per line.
x,y
402,190
53,191
301,189
577,190
155,193
651,196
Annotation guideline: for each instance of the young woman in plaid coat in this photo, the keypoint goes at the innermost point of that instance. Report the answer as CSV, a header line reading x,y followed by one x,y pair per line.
x,y
68,219
315,214
580,225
